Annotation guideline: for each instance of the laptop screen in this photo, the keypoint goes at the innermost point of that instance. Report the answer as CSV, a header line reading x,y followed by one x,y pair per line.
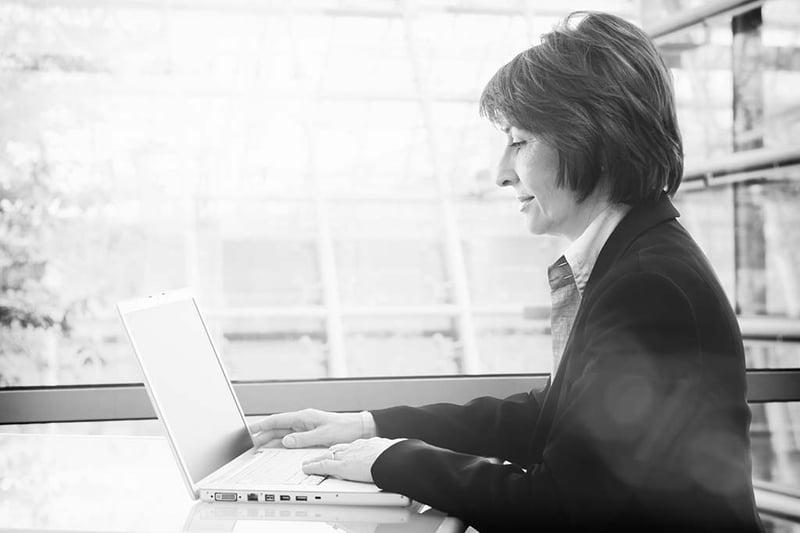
x,y
188,384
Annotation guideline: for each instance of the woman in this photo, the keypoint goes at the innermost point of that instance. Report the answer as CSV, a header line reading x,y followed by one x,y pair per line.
x,y
645,423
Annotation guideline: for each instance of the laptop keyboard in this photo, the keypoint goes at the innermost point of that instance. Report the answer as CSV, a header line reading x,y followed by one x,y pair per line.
x,y
279,466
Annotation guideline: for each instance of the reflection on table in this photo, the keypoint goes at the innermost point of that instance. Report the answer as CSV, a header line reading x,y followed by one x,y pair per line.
x,y
239,517
124,483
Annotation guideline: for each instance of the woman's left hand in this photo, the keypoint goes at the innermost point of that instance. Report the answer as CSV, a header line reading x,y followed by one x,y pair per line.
x,y
351,461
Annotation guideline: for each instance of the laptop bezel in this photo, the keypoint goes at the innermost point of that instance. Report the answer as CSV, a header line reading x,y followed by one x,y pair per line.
x,y
157,300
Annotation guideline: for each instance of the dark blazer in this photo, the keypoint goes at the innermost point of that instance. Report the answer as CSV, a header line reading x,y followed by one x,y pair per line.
x,y
644,426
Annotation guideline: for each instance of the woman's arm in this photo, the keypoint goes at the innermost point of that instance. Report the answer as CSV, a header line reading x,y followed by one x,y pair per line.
x,y
488,427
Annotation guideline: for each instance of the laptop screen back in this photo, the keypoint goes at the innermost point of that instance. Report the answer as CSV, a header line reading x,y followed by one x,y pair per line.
x,y
186,381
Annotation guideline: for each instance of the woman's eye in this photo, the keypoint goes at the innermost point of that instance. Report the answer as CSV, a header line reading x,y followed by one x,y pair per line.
x,y
516,144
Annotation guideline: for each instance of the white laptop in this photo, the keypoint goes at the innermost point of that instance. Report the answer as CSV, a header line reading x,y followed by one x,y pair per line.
x,y
205,425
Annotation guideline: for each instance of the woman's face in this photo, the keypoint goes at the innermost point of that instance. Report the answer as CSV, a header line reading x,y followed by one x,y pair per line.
x,y
530,167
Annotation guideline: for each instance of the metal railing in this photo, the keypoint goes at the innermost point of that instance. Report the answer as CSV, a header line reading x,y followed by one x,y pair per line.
x,y
689,17
129,401
777,500
758,164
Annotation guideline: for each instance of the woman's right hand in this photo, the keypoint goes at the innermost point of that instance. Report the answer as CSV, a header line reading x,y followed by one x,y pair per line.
x,y
311,427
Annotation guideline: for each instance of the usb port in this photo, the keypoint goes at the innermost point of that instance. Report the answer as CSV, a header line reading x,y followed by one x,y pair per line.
x,y
252,497
301,498
269,497
285,498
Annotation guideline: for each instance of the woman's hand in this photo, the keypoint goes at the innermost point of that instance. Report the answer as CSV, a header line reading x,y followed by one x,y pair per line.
x,y
311,427
351,461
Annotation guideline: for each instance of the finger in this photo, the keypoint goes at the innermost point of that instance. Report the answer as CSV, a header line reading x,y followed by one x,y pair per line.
x,y
280,421
275,443
305,439
325,467
342,446
267,436
326,456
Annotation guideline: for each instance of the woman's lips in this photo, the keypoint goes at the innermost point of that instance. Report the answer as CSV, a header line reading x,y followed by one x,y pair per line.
x,y
526,201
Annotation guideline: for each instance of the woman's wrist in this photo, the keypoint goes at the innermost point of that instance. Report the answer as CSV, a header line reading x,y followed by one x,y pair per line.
x,y
368,428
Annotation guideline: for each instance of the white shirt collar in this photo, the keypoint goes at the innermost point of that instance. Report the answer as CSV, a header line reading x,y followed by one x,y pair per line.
x,y
583,252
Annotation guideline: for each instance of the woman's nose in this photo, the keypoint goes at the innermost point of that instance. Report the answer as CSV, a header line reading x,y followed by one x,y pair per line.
x,y
505,177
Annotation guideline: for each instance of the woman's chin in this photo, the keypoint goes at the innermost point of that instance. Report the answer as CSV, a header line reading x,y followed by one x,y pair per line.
x,y
535,226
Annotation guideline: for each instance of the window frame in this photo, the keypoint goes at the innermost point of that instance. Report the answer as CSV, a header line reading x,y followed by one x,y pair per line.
x,y
129,401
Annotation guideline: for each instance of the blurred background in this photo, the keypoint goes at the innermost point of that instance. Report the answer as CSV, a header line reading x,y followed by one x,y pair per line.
x,y
317,171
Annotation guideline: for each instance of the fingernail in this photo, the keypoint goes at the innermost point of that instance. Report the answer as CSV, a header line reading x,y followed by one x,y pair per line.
x,y
289,441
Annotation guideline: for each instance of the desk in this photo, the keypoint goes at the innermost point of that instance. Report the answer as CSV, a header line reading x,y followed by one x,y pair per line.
x,y
128,483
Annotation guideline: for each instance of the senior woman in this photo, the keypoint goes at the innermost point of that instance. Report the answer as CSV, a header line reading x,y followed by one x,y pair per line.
x,y
645,423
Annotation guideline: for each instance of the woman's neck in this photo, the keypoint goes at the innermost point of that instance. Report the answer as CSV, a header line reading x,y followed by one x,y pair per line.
x,y
588,210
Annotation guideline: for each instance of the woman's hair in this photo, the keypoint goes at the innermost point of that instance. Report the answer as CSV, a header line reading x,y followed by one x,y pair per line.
x,y
600,94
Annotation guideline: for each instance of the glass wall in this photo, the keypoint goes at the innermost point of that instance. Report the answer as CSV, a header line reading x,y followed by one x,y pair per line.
x,y
304,166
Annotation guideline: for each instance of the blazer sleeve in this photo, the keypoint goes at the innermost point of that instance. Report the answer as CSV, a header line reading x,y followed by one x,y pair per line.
x,y
486,495
489,427
630,402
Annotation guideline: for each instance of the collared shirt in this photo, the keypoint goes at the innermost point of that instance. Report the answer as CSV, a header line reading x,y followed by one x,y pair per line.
x,y
570,273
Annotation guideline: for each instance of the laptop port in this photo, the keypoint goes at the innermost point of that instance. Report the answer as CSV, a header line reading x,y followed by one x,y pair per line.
x,y
252,497
269,497
285,498
225,496
301,498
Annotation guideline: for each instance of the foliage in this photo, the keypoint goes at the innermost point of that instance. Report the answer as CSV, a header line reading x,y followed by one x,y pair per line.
x,y
31,311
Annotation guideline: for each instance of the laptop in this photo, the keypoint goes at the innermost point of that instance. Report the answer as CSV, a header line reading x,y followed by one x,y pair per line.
x,y
205,426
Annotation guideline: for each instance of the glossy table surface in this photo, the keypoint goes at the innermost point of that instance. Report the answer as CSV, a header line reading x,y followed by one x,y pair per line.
x,y
131,483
